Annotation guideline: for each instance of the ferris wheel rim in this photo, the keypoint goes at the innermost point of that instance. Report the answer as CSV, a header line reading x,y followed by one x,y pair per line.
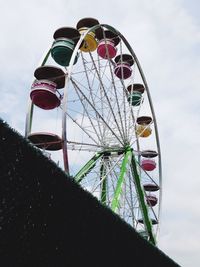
x,y
70,68
69,78
109,27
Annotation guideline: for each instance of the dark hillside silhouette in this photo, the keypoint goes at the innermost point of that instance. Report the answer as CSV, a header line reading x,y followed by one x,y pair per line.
x,y
47,220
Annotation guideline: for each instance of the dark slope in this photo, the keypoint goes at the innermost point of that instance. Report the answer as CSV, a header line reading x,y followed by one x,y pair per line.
x,y
48,220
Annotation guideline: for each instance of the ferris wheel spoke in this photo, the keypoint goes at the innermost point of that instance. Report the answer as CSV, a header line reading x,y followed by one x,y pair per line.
x,y
126,115
107,98
100,116
117,102
124,104
107,173
92,98
126,206
131,202
80,126
108,118
128,111
131,209
114,93
105,110
83,146
89,117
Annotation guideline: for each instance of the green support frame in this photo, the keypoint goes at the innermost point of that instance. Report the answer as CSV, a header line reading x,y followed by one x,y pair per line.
x,y
104,181
141,198
128,160
87,167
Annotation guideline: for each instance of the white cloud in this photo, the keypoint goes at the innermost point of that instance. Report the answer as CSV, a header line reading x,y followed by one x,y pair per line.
x,y
165,37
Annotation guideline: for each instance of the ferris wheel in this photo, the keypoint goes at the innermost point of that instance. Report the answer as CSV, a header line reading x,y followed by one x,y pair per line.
x,y
92,80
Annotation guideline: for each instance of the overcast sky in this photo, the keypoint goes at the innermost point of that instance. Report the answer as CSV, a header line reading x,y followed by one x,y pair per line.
x,y
165,36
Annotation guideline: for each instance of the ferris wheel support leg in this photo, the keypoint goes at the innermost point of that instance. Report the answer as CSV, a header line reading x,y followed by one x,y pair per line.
x,y
141,198
123,169
65,157
87,168
103,179
29,118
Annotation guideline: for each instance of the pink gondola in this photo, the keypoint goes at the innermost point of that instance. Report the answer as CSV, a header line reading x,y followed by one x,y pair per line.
x,y
43,94
151,200
107,43
148,164
44,89
123,66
